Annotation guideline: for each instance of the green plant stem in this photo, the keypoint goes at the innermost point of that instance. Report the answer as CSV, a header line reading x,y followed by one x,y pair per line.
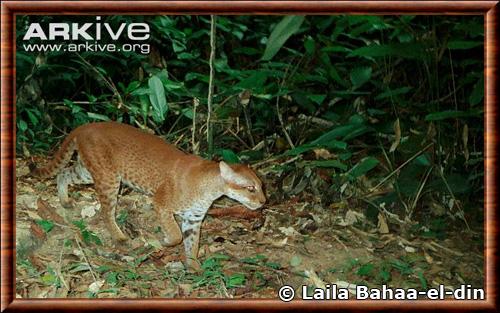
x,y
210,136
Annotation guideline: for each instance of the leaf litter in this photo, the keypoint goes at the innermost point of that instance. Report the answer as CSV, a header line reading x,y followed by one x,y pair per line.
x,y
295,240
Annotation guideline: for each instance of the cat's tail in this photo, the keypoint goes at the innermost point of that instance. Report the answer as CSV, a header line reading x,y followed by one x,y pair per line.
x,y
60,159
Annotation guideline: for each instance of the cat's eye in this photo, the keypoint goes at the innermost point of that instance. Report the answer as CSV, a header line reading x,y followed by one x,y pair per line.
x,y
251,189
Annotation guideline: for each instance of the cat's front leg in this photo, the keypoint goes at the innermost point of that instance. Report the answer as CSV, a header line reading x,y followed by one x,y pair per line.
x,y
191,226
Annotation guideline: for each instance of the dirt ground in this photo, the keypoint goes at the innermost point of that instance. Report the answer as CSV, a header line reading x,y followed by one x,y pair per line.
x,y
68,253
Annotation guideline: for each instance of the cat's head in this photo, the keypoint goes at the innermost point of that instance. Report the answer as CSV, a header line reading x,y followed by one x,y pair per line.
x,y
242,185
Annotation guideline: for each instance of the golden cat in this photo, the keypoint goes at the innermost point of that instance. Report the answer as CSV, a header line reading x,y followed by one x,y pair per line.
x,y
110,154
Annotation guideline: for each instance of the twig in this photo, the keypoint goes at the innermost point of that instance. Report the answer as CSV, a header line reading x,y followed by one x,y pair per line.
x,y
433,243
339,241
249,126
85,258
280,118
315,120
269,160
455,202
400,167
210,138
414,204
179,139
108,82
239,139
77,102
196,102
174,124
59,273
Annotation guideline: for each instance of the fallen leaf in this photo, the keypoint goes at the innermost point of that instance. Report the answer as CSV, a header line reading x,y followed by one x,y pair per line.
x,y
314,279
288,231
96,286
90,210
295,261
351,217
410,249
48,212
238,211
322,153
27,200
397,133
37,231
343,284
382,226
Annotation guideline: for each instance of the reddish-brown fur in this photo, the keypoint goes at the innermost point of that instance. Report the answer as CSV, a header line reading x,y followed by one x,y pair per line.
x,y
180,183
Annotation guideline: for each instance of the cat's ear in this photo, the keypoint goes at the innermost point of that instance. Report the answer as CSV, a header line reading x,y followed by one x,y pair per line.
x,y
229,175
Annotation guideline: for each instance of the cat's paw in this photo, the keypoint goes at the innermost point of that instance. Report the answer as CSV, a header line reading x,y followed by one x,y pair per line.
x,y
118,235
193,266
169,241
68,203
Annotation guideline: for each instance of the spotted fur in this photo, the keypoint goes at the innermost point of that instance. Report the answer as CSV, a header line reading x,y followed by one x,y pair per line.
x,y
111,154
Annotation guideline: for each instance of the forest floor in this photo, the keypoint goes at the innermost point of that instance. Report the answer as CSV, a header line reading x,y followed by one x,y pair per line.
x,y
68,253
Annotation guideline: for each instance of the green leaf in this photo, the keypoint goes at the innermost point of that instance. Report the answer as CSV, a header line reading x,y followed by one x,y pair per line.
x,y
384,275
133,86
46,225
80,267
328,163
22,125
89,237
363,167
463,44
49,279
140,92
255,80
288,26
170,85
318,99
332,144
438,116
477,93
80,224
235,280
366,270
187,112
96,116
274,265
144,100
295,261
309,45
360,75
300,149
112,278
122,217
254,260
394,92
403,50
335,133
457,183
423,159
157,98
229,156
423,281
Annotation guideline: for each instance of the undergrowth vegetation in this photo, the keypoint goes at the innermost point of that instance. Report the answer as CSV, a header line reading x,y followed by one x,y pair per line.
x,y
380,113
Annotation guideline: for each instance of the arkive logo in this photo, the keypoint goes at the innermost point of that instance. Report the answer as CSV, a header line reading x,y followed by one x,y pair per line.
x,y
87,31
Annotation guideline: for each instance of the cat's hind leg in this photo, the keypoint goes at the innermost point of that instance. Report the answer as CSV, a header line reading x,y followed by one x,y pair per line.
x,y
107,189
76,174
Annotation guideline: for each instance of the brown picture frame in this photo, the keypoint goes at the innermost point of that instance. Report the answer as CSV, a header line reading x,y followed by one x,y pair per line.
x,y
489,9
